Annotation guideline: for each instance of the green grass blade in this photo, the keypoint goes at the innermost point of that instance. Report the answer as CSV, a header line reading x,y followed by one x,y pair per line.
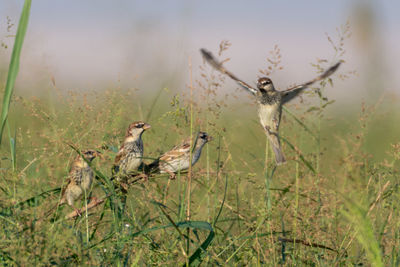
x,y
30,202
14,63
268,179
96,226
223,201
358,217
200,225
153,104
6,260
307,163
13,144
196,258
300,122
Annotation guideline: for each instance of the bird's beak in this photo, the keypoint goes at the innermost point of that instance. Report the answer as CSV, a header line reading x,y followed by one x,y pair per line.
x,y
146,126
209,138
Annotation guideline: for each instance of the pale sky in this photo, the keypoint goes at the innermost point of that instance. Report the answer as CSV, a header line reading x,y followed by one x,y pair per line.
x,y
91,43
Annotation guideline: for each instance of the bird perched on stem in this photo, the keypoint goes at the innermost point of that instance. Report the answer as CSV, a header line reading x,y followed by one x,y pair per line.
x,y
269,100
80,179
130,155
178,158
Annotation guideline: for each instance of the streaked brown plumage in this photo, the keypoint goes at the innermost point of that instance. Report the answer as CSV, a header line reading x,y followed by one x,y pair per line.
x,y
80,178
269,100
178,158
130,155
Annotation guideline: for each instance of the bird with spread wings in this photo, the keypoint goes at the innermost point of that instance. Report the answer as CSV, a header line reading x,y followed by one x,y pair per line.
x,y
269,100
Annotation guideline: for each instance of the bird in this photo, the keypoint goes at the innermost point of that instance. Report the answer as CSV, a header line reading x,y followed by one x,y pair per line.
x,y
270,101
79,180
178,158
130,155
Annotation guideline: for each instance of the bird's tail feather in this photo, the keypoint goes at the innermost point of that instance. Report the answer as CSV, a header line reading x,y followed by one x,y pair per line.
x,y
153,167
276,147
279,157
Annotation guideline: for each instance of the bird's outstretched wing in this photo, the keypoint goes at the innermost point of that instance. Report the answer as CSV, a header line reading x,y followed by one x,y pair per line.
x,y
208,56
291,93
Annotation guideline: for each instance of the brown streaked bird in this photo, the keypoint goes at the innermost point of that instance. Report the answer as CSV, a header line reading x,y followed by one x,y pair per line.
x,y
178,158
130,155
269,100
80,179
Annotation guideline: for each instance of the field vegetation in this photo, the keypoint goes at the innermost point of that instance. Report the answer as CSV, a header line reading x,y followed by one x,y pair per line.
x,y
335,203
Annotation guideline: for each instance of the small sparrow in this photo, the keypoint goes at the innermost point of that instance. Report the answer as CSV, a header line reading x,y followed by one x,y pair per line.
x,y
269,100
80,179
178,158
130,155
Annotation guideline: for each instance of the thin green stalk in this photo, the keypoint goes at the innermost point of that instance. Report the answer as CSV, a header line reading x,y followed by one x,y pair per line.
x,y
13,146
189,177
296,208
319,141
14,63
153,104
267,180
86,219
208,153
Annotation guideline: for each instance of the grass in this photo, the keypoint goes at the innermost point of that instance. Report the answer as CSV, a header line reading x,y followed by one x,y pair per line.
x,y
14,64
335,202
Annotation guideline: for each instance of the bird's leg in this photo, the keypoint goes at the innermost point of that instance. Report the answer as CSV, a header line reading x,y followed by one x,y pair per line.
x,y
143,176
122,181
77,211
93,199
124,187
172,175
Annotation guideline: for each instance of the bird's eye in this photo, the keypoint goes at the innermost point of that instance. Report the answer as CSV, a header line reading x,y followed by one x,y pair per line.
x,y
139,125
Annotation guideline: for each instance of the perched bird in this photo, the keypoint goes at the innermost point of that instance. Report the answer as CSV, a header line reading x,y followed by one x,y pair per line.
x,y
79,180
269,100
130,155
178,158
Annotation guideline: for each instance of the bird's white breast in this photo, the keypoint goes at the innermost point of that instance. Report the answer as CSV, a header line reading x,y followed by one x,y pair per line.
x,y
133,162
176,165
267,114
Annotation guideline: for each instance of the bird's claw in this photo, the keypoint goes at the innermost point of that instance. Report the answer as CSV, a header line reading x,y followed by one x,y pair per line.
x,y
124,186
172,176
78,212
144,176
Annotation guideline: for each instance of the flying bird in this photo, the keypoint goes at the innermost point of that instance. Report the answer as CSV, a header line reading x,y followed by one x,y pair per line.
x,y
269,100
